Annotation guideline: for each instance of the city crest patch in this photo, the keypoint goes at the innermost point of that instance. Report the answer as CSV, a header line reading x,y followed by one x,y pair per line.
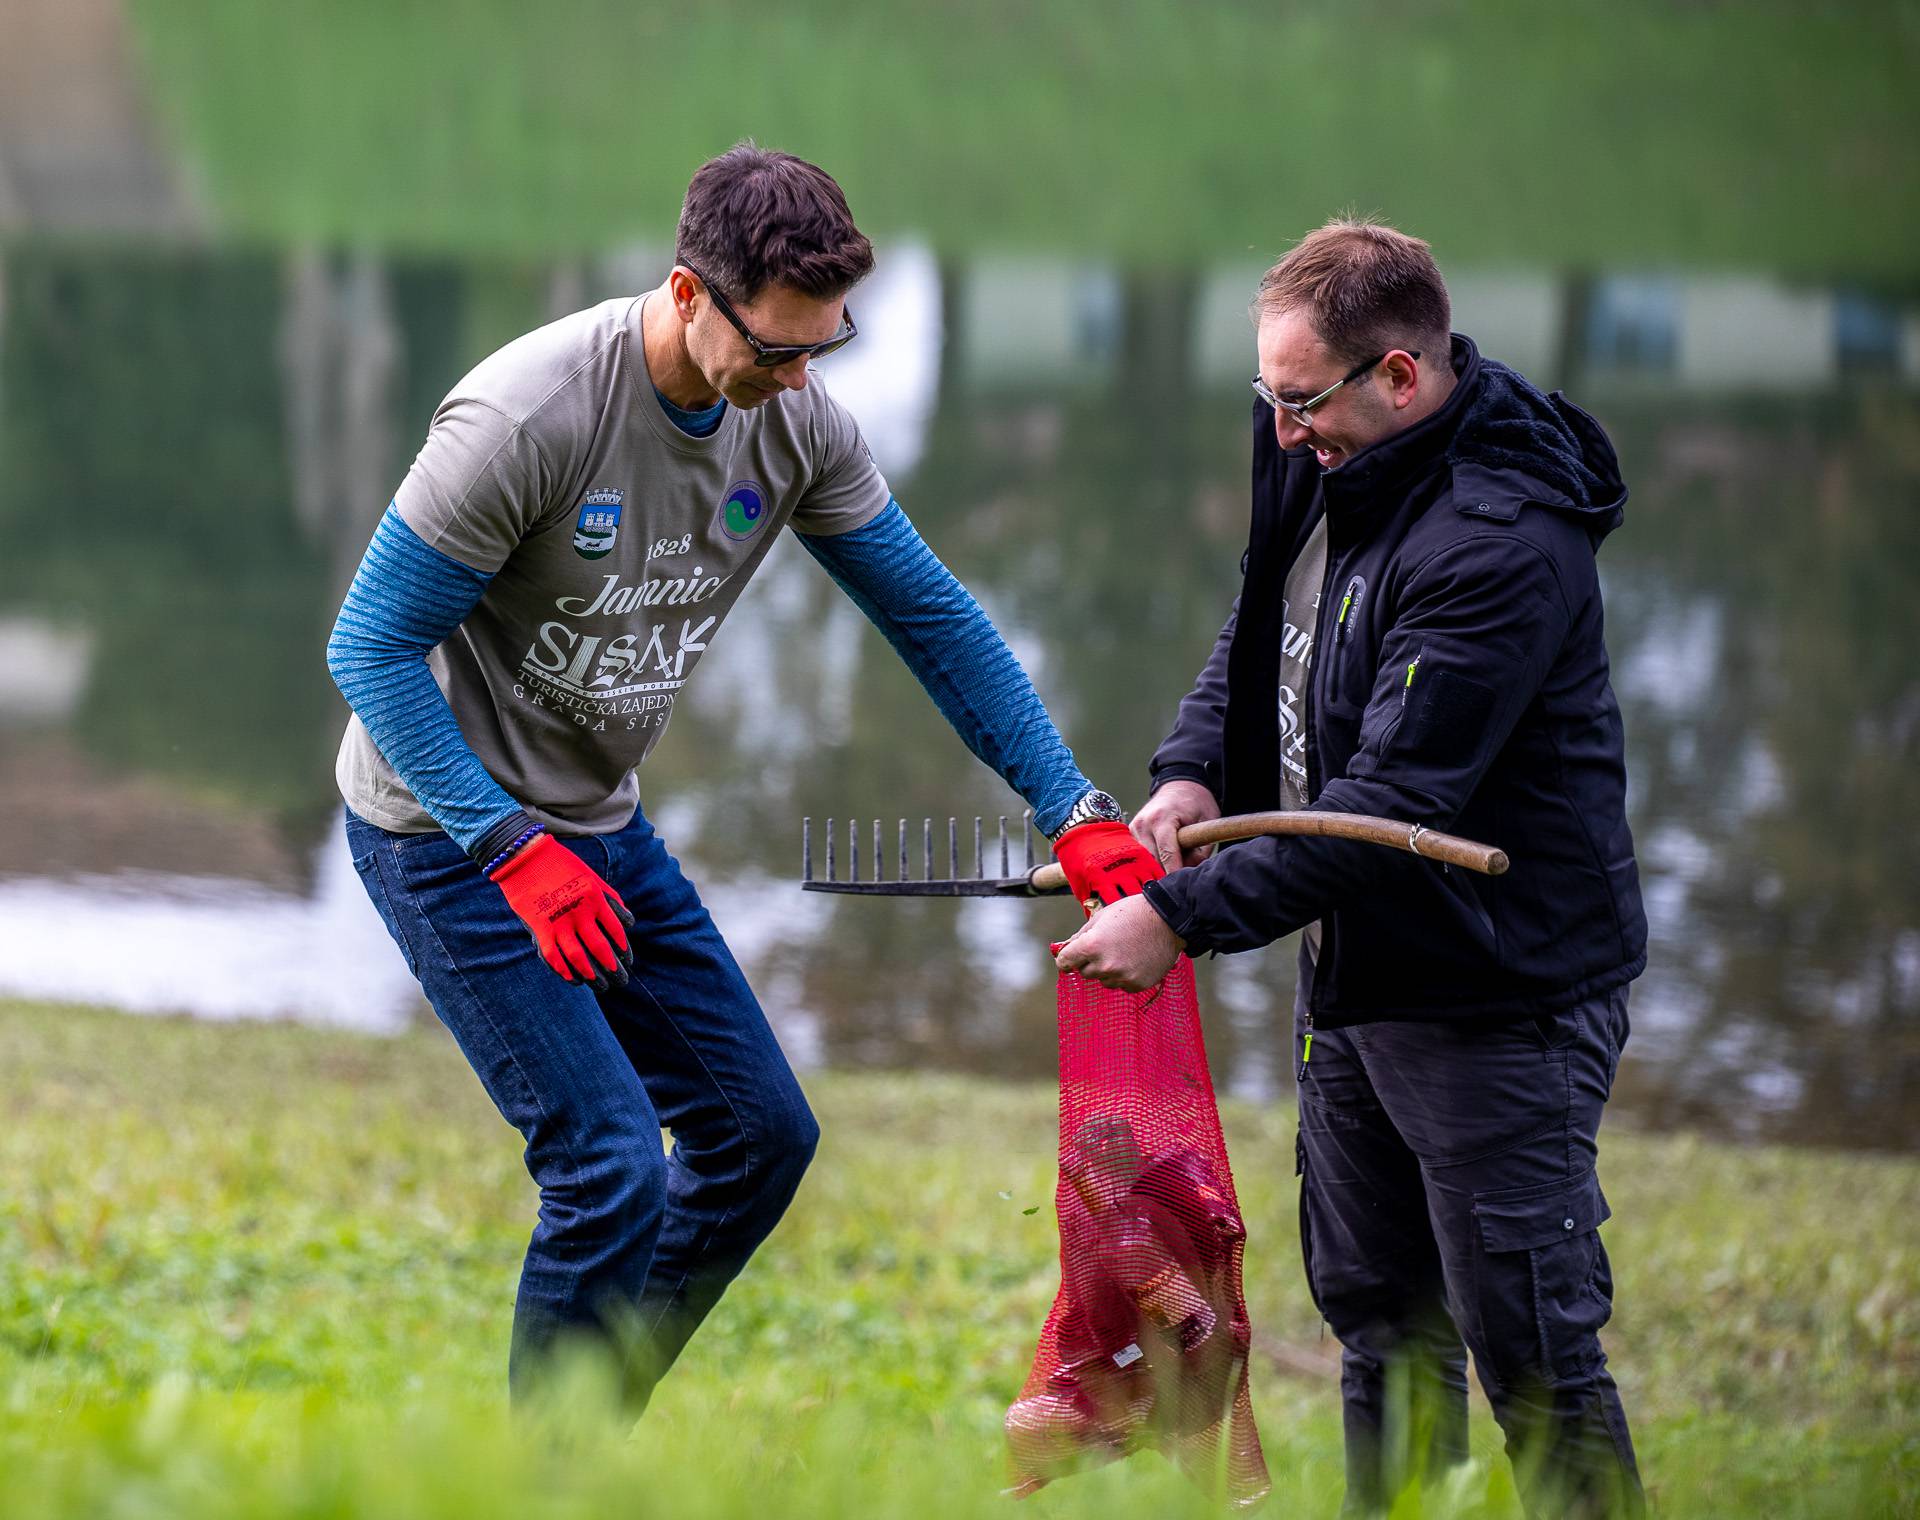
x,y
598,525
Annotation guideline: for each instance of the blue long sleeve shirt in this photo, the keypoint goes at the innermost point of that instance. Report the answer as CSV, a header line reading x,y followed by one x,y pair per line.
x,y
407,597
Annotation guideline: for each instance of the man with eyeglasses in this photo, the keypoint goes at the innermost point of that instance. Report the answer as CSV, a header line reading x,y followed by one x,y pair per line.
x,y
586,508
1419,636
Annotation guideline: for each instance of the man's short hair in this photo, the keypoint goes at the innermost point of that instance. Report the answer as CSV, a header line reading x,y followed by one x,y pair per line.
x,y
754,218
1365,287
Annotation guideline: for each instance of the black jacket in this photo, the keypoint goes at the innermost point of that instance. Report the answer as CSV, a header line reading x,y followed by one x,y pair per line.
x,y
1460,682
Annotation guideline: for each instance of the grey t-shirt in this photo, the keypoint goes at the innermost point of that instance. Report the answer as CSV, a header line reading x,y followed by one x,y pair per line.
x,y
1301,611
617,544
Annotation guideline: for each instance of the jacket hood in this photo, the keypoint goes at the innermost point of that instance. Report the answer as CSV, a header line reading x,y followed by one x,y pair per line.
x,y
1507,445
1516,445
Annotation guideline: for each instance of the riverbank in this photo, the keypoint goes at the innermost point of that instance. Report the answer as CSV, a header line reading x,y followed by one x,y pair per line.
x,y
263,1269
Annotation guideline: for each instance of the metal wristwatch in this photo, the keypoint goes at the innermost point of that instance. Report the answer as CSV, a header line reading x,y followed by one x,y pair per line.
x,y
1094,807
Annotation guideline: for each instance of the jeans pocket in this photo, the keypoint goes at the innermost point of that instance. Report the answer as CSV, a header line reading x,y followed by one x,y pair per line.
x,y
1536,1271
368,868
425,846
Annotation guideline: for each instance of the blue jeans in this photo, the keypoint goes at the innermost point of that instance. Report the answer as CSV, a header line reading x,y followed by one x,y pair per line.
x,y
1449,1201
632,1246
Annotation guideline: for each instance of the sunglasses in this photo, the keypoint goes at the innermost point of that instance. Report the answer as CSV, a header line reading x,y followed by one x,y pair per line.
x,y
1302,411
773,355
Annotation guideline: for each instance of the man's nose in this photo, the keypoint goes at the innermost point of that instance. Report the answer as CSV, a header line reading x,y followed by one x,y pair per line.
x,y
1289,430
792,374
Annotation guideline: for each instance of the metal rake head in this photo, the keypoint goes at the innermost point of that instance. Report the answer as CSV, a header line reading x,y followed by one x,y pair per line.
x,y
904,883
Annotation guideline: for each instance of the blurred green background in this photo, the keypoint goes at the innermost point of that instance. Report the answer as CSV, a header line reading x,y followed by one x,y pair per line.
x,y
245,249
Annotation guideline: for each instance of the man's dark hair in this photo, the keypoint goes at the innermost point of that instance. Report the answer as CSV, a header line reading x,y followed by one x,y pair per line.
x,y
754,218
1365,288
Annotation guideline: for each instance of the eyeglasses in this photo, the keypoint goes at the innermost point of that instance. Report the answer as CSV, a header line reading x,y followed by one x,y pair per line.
x,y
773,355
1302,411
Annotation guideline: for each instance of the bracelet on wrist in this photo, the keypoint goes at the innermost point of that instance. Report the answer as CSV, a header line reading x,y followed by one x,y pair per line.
x,y
520,842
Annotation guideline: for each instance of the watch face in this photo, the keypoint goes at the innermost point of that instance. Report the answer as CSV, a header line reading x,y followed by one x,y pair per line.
x,y
1095,805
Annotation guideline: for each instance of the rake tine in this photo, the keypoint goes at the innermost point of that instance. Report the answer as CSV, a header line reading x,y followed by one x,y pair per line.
x,y
953,848
830,875
979,861
926,846
806,849
903,849
853,849
1026,835
1006,868
879,859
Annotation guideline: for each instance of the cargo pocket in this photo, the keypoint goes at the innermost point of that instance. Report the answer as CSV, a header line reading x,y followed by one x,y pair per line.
x,y
1541,1279
1306,1226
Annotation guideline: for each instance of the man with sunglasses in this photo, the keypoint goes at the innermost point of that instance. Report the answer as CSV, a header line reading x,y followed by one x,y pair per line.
x,y
586,508
1419,637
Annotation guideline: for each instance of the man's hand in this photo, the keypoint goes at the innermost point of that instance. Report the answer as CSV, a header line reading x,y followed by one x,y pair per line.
x,y
1104,863
577,921
1169,810
1127,946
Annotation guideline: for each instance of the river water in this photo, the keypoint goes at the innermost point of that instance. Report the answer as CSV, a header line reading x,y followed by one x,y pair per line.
x,y
198,431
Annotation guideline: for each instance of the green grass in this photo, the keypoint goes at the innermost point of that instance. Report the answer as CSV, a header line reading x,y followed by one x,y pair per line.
x,y
265,1270
1589,134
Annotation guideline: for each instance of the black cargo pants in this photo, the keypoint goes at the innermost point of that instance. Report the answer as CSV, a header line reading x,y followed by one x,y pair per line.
x,y
1449,1202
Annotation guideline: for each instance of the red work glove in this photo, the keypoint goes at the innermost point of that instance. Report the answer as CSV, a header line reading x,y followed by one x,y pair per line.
x,y
1104,863
576,919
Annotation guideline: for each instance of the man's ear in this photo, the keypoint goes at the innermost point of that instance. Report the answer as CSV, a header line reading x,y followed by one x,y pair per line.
x,y
683,288
1401,372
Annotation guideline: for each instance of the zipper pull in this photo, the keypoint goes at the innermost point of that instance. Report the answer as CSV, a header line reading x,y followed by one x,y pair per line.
x,y
1342,629
1306,1052
1412,666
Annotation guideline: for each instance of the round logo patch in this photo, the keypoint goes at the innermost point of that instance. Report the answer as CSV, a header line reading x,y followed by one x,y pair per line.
x,y
744,509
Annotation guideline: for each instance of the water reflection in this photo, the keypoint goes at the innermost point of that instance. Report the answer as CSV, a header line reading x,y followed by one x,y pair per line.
x,y
216,946
198,443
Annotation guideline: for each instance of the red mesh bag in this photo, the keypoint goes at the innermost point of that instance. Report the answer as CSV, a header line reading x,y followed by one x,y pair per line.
x,y
1146,1345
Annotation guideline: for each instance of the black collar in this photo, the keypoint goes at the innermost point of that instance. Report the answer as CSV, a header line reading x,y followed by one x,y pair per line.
x,y
1366,488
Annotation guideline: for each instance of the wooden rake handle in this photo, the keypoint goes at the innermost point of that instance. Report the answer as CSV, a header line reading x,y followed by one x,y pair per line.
x,y
1429,844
